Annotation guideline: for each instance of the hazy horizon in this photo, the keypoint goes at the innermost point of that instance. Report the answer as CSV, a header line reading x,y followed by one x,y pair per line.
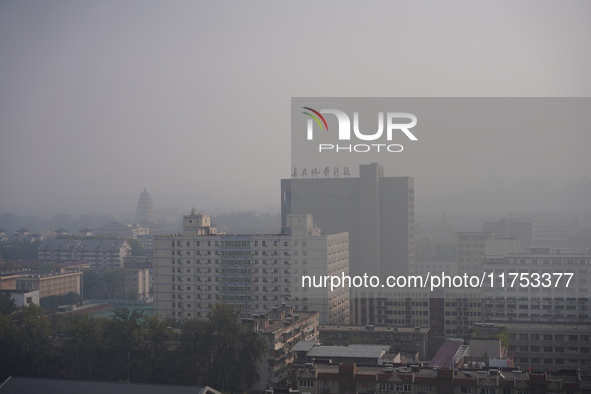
x,y
192,99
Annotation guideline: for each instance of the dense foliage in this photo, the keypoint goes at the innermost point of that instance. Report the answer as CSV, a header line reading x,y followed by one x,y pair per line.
x,y
52,302
218,351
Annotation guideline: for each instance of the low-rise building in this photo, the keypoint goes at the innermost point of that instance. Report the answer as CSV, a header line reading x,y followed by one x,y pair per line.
x,y
401,339
351,378
102,253
8,280
282,328
51,284
23,297
544,346
361,354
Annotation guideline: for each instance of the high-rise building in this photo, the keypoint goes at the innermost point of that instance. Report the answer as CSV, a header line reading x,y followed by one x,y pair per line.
x,y
377,212
145,208
254,272
520,229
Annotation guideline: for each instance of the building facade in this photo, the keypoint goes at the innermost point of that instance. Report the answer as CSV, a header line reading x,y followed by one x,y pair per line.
x,y
199,268
376,211
547,285
51,284
102,253
282,328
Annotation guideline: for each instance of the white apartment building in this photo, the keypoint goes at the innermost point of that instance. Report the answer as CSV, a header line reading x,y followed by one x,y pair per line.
x,y
199,268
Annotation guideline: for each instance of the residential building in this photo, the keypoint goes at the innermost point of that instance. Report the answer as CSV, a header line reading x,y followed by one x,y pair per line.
x,y
462,308
282,328
548,285
352,378
102,253
545,346
401,308
20,237
254,272
120,230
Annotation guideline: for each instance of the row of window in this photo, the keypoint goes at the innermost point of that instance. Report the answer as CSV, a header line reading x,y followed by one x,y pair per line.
x,y
248,244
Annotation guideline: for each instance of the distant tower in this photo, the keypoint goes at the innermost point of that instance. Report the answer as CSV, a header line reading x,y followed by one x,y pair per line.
x,y
145,208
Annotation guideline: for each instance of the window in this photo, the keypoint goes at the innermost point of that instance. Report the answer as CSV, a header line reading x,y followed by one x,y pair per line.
x,y
306,382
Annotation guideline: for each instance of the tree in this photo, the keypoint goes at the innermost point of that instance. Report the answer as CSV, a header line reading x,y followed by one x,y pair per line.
x,y
7,304
223,353
86,342
137,249
52,302
33,336
160,362
504,337
126,333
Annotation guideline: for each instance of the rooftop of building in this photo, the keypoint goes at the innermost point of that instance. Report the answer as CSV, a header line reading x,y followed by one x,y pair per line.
x,y
47,274
275,326
416,373
341,328
444,358
303,346
537,327
15,291
353,351
114,226
87,244
61,386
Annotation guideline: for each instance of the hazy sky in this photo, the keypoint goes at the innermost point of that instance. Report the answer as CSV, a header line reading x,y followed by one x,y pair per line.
x,y
100,99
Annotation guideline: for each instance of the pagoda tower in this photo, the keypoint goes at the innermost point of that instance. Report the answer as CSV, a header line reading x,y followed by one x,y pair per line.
x,y
145,208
